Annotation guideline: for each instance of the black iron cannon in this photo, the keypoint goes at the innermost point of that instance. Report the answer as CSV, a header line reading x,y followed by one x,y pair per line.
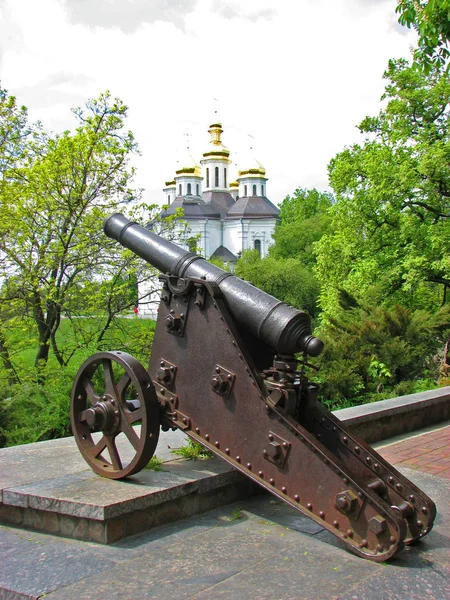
x,y
228,366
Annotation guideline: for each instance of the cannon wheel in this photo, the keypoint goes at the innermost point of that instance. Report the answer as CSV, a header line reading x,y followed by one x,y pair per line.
x,y
115,414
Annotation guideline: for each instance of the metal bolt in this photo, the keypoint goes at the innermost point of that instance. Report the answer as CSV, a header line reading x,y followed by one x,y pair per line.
x,y
346,501
377,525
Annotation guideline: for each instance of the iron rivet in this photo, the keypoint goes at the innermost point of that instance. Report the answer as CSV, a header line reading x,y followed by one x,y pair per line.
x,y
260,473
172,312
333,429
217,369
368,460
284,490
425,510
217,444
227,451
285,445
206,437
182,316
345,480
412,498
265,452
271,437
399,486
345,439
249,465
80,397
116,412
419,524
162,363
376,466
357,449
350,532
162,391
363,544
391,479
272,481
185,421
238,458
392,539
336,524
296,497
361,494
229,377
321,514
197,430
309,506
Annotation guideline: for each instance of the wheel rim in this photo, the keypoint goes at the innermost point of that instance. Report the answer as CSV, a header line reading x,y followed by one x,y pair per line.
x,y
114,414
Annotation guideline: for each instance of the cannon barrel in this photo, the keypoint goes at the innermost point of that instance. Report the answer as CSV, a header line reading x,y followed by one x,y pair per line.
x,y
284,328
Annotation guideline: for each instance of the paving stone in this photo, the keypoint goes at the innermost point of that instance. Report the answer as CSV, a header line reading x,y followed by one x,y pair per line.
x,y
39,569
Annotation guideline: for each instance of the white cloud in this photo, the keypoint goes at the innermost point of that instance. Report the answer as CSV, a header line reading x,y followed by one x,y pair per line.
x,y
298,75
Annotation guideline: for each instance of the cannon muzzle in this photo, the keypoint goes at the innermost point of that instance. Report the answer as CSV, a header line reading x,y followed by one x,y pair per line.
x,y
284,328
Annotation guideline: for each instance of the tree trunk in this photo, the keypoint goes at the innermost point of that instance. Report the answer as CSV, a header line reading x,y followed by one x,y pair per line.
x,y
7,364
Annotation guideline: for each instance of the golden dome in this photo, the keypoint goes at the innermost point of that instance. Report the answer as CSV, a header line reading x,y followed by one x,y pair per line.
x,y
218,149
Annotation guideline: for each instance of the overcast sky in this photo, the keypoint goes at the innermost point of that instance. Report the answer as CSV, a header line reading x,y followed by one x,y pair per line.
x,y
296,75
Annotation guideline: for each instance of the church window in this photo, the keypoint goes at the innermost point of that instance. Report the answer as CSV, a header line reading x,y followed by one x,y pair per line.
x,y
198,190
180,190
207,178
216,177
258,246
189,189
254,190
262,190
245,190
225,177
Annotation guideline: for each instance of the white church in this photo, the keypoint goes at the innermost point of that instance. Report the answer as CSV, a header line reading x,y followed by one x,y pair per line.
x,y
224,217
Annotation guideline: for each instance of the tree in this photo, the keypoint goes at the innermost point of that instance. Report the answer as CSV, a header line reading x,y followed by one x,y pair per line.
x,y
286,279
371,349
52,206
390,235
431,19
304,218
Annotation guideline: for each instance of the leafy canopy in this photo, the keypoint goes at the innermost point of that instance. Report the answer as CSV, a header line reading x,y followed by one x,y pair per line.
x,y
390,234
431,19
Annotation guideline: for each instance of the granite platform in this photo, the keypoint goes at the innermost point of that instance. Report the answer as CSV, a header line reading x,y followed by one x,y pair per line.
x,y
48,486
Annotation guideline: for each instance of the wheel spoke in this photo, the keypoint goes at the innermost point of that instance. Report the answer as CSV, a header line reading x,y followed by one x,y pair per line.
x,y
135,416
123,384
110,386
128,430
99,447
114,454
90,392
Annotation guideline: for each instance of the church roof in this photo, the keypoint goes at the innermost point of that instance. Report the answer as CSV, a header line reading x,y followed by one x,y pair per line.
x,y
224,254
220,201
192,208
253,206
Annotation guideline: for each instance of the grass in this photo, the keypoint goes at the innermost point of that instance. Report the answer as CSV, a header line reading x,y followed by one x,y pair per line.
x,y
155,464
193,451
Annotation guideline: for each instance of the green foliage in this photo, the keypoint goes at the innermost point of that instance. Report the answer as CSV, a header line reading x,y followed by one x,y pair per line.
x,y
304,218
373,348
36,407
390,235
35,412
431,19
155,464
286,279
192,451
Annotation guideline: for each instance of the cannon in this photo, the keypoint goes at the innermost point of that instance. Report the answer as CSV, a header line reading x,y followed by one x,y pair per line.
x,y
228,366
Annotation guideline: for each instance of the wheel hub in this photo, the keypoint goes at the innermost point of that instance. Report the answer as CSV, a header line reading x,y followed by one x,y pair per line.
x,y
103,416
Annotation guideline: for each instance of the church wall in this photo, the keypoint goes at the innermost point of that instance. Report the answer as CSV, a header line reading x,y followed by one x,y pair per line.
x,y
241,234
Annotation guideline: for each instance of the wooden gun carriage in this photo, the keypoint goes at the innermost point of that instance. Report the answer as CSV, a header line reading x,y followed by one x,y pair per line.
x,y
228,368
